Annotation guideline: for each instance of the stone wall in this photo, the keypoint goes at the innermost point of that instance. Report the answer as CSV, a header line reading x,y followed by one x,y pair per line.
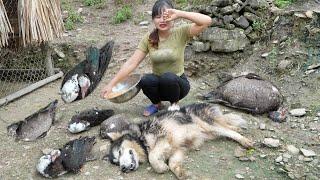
x,y
232,25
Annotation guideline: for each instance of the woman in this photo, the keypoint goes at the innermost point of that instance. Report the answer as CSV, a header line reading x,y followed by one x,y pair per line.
x,y
165,46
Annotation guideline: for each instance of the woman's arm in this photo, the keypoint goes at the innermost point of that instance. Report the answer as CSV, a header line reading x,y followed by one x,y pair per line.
x,y
124,71
200,21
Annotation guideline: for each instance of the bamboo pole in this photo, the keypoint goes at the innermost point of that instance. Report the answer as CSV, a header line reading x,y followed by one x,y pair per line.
x,y
5,26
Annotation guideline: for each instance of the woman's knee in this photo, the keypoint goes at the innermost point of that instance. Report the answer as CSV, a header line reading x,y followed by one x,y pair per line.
x,y
169,78
149,80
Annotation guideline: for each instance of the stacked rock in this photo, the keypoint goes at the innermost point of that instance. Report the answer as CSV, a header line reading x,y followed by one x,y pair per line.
x,y
231,28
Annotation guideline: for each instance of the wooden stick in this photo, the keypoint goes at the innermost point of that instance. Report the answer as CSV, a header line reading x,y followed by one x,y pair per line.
x,y
29,89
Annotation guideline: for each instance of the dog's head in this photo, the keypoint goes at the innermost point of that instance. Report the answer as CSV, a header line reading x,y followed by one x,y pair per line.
x,y
127,152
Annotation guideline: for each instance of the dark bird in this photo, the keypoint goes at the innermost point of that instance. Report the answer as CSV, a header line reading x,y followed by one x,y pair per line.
x,y
36,125
88,118
248,92
80,81
116,126
70,158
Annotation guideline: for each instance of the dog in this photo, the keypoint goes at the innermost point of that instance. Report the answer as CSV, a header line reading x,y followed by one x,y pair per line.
x,y
168,136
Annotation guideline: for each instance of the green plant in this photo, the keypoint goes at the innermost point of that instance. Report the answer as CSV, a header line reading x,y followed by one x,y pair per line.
x,y
273,57
118,2
259,26
73,18
283,3
123,14
93,2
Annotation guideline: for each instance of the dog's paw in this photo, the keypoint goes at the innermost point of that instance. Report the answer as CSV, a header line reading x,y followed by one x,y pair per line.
x,y
161,168
247,143
183,174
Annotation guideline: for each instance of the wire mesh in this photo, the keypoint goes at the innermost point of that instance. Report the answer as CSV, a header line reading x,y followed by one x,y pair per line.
x,y
19,66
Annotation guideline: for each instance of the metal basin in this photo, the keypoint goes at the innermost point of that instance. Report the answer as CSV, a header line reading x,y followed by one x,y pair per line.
x,y
125,90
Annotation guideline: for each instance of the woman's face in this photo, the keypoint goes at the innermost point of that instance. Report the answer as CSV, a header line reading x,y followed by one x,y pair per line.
x,y
161,24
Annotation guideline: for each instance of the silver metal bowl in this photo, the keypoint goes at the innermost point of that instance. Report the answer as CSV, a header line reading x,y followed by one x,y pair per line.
x,y
125,90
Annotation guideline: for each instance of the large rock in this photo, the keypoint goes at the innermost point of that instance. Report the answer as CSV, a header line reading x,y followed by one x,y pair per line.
x,y
199,46
223,40
221,3
227,10
251,17
242,22
257,4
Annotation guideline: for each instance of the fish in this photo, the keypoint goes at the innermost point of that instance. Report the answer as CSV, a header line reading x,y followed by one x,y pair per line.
x,y
36,125
249,92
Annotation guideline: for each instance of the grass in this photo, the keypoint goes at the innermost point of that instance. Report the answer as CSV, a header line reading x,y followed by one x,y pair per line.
x,y
185,3
259,26
123,14
123,2
73,16
283,3
99,4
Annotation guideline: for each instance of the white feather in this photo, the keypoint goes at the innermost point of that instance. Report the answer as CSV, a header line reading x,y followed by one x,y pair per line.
x,y
70,89
77,127
43,164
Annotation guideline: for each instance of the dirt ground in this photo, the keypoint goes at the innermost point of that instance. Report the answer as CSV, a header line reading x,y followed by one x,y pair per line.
x,y
215,159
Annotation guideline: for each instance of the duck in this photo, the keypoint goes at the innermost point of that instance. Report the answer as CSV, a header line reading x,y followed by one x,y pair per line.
x,y
35,125
248,92
88,118
70,158
82,79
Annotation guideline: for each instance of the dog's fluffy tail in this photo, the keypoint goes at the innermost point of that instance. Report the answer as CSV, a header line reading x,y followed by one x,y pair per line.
x,y
235,120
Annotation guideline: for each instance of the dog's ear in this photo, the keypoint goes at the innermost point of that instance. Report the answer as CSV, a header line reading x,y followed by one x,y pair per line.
x,y
105,157
110,159
134,128
113,136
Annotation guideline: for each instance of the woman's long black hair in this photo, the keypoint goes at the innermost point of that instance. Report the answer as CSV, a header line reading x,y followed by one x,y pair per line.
x,y
157,9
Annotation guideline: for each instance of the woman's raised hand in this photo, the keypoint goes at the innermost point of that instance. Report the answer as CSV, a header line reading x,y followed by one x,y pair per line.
x,y
171,14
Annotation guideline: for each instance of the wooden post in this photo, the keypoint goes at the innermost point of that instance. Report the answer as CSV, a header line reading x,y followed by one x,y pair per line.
x,y
49,63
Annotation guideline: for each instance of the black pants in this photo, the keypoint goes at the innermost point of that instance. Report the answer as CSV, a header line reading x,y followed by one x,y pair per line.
x,y
167,87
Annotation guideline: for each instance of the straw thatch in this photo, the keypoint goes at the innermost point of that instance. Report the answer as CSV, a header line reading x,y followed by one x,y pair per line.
x,y
5,26
39,20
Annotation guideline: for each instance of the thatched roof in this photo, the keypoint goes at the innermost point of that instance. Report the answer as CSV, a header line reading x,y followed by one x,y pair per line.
x,y
5,27
39,21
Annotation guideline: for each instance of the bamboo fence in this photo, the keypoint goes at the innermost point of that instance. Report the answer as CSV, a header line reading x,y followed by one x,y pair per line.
x,y
39,20
5,26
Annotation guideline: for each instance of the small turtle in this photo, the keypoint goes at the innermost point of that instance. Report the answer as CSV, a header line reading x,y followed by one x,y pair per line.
x,y
116,126
88,118
68,159
36,125
247,92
